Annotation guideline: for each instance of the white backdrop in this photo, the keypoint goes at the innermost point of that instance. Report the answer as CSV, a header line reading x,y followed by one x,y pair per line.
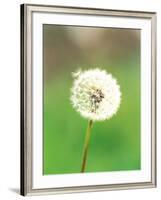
x,y
10,103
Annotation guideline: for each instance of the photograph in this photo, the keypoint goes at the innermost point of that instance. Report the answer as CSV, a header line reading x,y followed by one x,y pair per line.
x,y
91,99
88,99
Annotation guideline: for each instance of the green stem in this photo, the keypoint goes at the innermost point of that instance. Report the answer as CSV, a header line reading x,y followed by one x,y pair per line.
x,y
86,145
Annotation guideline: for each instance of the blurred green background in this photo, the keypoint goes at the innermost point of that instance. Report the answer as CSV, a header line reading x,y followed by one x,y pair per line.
x,y
115,143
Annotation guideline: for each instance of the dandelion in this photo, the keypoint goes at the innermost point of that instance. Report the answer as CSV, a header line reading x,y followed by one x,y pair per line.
x,y
96,96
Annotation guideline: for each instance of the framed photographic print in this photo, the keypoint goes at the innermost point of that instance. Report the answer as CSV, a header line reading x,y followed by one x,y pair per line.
x,y
88,99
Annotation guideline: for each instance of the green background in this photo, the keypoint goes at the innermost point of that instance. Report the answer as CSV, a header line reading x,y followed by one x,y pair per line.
x,y
114,143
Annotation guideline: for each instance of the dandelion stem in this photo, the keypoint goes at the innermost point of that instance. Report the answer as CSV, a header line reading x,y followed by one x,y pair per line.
x,y
86,145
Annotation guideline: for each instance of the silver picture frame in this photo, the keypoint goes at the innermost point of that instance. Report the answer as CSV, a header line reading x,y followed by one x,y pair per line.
x,y
26,185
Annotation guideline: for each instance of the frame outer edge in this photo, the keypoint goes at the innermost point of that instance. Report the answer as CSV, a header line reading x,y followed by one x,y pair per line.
x,y
22,114
26,102
154,98
29,96
89,10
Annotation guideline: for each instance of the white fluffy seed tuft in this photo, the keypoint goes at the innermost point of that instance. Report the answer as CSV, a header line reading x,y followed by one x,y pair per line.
x,y
95,94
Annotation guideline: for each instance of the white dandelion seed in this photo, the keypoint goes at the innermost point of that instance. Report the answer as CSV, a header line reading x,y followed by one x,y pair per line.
x,y
95,94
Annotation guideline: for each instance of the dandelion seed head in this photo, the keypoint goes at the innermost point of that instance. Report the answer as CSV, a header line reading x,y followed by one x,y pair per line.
x,y
95,94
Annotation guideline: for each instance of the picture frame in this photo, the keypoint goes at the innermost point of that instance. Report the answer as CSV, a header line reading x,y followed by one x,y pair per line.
x,y
34,179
